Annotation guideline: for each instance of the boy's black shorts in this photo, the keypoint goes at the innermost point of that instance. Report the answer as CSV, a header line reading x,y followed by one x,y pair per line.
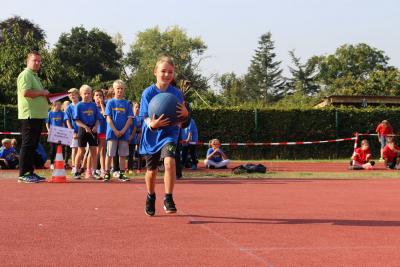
x,y
85,138
152,161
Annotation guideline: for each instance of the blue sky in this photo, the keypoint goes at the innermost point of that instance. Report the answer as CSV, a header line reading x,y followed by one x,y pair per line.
x,y
230,28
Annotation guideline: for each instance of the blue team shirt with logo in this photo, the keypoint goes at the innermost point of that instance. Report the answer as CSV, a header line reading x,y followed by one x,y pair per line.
x,y
55,118
217,157
87,113
152,141
69,115
9,154
119,110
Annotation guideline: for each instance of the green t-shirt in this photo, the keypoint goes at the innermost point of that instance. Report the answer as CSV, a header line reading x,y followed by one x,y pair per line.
x,y
33,108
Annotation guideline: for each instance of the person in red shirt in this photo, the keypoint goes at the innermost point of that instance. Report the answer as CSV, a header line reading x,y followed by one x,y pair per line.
x,y
383,130
361,158
391,153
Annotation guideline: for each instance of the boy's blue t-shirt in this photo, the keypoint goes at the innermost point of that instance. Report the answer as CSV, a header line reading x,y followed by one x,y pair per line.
x,y
119,110
152,141
102,123
192,128
137,122
217,157
87,113
9,154
55,118
69,115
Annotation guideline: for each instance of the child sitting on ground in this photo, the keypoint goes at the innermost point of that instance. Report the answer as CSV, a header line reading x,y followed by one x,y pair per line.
x,y
8,155
391,153
361,158
216,158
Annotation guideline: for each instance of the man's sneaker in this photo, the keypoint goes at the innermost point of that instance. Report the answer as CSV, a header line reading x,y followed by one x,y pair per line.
x,y
28,179
76,175
97,175
169,205
107,177
40,178
122,177
150,208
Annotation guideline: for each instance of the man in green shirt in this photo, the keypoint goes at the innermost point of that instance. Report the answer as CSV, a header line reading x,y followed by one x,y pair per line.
x,y
32,111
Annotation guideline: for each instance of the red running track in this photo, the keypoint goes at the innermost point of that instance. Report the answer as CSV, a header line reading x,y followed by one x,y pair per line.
x,y
219,223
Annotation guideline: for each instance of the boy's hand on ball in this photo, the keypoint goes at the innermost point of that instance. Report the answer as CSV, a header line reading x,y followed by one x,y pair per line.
x,y
159,122
182,111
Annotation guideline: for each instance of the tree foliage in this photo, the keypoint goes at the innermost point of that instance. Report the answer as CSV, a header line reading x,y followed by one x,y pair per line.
x,y
86,57
348,71
303,77
151,43
15,45
264,79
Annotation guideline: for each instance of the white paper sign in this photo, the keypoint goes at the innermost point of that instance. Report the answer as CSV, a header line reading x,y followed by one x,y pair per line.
x,y
61,135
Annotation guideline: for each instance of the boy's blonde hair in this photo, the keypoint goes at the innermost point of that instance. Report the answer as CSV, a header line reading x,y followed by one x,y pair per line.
x,y
73,91
84,88
119,83
6,141
163,59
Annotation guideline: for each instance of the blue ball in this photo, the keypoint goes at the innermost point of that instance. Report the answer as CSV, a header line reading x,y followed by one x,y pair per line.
x,y
164,103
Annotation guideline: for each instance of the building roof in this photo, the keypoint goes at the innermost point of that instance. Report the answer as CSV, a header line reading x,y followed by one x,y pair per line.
x,y
350,100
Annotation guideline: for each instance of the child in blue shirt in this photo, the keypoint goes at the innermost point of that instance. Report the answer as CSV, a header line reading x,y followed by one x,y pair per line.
x,y
8,155
134,139
98,98
55,117
189,134
70,122
216,158
159,138
86,116
119,117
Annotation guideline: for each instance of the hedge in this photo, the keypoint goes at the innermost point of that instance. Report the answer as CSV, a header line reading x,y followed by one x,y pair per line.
x,y
274,125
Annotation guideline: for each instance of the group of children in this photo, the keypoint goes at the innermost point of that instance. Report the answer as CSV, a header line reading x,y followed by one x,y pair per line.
x,y
389,152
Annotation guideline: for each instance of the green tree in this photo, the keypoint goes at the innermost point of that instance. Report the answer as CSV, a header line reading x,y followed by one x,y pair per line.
x,y
264,78
348,70
17,41
150,44
303,77
233,88
87,57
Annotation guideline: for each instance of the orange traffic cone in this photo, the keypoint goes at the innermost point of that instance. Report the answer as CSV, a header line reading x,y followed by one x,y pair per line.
x,y
58,175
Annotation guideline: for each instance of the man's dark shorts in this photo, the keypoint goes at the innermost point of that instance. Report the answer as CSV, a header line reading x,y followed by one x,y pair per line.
x,y
152,161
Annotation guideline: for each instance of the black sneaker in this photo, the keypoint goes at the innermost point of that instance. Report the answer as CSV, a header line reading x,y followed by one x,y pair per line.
x,y
122,177
150,208
28,179
40,178
107,177
76,176
169,205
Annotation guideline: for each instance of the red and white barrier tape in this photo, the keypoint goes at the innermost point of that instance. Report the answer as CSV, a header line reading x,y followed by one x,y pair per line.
x,y
278,143
250,143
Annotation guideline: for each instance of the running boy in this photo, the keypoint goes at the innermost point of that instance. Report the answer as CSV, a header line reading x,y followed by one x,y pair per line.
x,y
86,116
55,117
361,157
159,138
119,118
